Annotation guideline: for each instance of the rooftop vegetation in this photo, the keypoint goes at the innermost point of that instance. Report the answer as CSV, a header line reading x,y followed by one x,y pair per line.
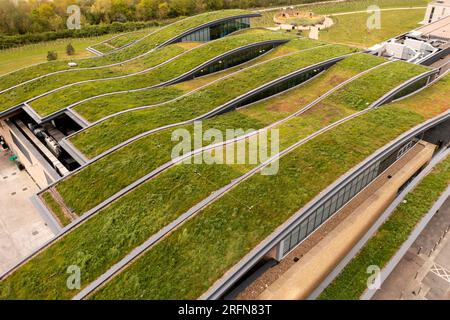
x,y
199,102
188,261
160,200
139,48
165,72
352,281
92,111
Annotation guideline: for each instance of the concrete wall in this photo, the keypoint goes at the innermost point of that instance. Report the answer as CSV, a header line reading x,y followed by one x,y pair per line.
x,y
440,11
33,162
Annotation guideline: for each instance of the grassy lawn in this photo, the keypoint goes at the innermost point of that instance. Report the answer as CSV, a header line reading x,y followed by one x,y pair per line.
x,y
177,67
198,102
188,261
352,281
24,56
352,29
149,43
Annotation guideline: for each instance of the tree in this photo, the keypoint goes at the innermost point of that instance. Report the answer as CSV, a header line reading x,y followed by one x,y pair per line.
x,y
70,50
52,55
147,9
163,10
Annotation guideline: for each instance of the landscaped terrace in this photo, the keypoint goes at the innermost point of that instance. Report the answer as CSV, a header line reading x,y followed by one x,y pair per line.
x,y
146,45
189,260
132,123
113,172
167,71
160,200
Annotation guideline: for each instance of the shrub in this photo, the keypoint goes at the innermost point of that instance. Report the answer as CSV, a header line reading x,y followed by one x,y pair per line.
x,y
52,55
70,50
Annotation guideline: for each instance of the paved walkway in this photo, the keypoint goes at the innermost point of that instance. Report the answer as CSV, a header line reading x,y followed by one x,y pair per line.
x,y
423,273
21,227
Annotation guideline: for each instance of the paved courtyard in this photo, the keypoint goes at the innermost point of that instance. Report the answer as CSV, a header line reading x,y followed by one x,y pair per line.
x,y
424,271
21,227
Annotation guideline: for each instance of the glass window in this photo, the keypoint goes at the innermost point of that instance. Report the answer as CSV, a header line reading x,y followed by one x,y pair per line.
x,y
311,223
303,230
294,236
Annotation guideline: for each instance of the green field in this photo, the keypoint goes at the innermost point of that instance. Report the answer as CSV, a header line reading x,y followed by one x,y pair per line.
x,y
352,281
16,58
352,29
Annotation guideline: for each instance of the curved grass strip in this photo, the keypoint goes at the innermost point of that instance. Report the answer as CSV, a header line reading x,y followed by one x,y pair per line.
x,y
177,67
189,260
154,150
162,211
199,102
100,107
145,45
110,174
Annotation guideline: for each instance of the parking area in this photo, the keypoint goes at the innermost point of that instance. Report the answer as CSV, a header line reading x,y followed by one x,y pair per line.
x,y
21,227
424,271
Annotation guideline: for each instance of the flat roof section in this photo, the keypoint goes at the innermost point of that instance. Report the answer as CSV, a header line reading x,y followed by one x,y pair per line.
x,y
22,229
439,29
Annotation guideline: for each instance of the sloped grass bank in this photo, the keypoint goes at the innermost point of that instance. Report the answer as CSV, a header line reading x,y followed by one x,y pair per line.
x,y
352,281
123,101
142,47
114,231
165,72
113,172
188,261
199,102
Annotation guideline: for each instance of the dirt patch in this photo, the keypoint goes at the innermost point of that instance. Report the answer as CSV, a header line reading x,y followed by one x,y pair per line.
x,y
287,105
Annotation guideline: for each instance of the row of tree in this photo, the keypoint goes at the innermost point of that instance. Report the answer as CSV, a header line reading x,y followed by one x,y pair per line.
x,y
33,16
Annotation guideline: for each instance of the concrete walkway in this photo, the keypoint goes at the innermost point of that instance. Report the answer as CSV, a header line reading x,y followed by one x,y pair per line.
x,y
423,273
22,229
